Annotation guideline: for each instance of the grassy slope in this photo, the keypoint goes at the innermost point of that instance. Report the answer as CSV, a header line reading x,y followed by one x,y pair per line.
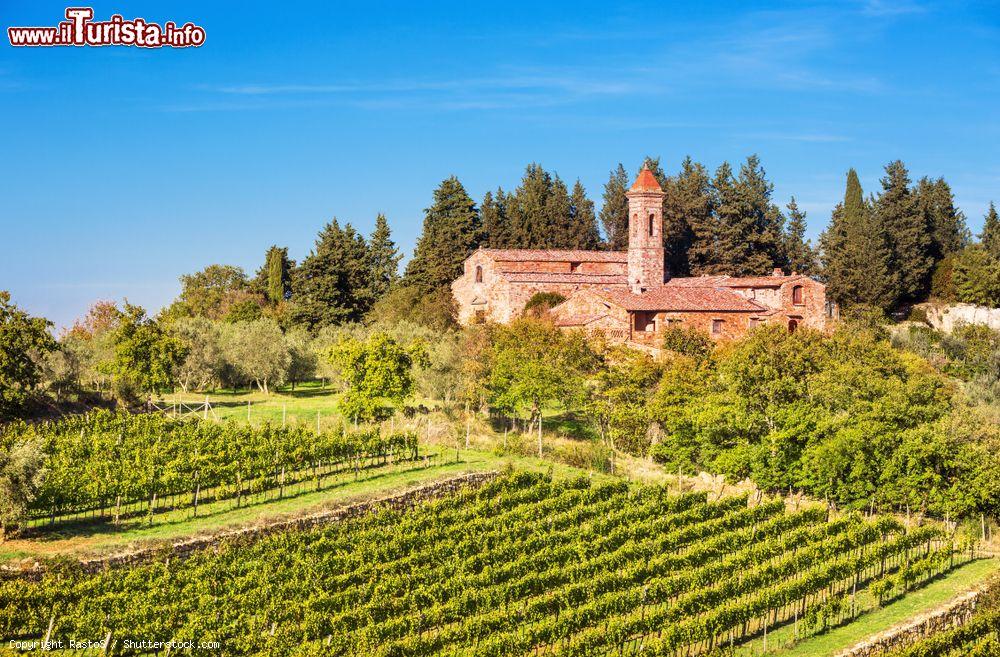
x,y
98,539
876,620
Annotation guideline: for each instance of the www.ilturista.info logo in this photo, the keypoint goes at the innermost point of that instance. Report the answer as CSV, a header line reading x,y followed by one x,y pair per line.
x,y
79,29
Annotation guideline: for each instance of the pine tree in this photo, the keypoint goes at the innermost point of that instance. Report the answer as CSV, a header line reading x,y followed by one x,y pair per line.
x,y
583,230
555,231
856,254
730,242
332,284
949,233
527,208
383,259
451,232
908,231
614,210
496,223
990,237
689,227
798,252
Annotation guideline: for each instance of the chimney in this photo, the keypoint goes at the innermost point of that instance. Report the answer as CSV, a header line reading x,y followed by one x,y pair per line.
x,y
777,272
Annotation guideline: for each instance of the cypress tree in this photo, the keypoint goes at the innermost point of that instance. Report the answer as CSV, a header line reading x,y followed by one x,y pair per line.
x,y
332,284
908,231
990,237
856,254
799,254
383,259
689,227
730,242
451,231
527,209
614,210
583,231
555,231
277,271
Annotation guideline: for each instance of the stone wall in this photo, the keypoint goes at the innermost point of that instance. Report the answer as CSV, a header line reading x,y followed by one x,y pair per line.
x,y
957,612
944,318
246,535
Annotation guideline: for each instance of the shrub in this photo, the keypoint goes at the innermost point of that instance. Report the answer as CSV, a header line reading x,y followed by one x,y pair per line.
x,y
541,302
688,341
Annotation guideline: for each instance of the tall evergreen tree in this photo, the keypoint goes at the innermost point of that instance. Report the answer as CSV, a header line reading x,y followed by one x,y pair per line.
x,y
689,226
856,254
451,232
275,277
383,259
990,237
799,254
908,231
730,243
750,226
558,218
496,223
529,209
614,210
583,227
332,284
949,233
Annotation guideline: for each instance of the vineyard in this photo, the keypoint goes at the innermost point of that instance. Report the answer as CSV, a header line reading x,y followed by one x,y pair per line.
x,y
522,565
979,637
110,465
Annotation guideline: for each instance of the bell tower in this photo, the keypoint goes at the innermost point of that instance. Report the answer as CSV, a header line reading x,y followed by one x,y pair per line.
x,y
645,233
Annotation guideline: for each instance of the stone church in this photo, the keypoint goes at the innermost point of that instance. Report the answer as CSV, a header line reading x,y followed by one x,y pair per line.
x,y
629,296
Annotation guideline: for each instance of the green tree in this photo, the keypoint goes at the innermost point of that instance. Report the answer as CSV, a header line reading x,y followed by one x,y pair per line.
x,y
798,252
582,233
204,364
990,237
332,285
145,357
378,372
530,363
383,259
24,341
689,224
976,276
614,210
258,352
909,234
275,277
451,232
531,210
435,309
496,223
22,472
949,233
855,253
751,226
303,360
210,292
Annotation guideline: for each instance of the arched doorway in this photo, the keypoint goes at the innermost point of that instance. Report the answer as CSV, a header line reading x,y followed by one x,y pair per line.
x,y
792,325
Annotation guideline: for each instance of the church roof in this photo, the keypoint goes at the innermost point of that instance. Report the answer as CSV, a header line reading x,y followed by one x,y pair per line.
x,y
555,255
680,298
561,277
733,281
646,182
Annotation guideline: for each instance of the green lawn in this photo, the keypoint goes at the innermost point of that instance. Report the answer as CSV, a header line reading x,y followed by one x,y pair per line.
x,y
875,620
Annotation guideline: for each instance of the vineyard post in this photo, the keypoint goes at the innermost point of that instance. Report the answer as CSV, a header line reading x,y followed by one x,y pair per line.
x,y
281,487
205,414
107,643
48,632
197,491
152,508
118,508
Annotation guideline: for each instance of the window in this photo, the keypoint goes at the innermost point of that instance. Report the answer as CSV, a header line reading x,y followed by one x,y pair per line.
x,y
717,326
635,224
797,295
652,219
792,325
479,273
574,266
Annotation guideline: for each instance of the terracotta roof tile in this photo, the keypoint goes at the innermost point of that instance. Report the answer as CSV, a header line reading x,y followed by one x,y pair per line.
x,y
679,298
555,255
557,277
646,182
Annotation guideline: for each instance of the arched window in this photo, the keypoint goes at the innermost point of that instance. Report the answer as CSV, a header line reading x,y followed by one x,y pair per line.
x,y
797,295
792,325
635,224
479,273
652,218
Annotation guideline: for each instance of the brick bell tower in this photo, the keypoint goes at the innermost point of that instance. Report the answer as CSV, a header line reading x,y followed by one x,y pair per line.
x,y
645,233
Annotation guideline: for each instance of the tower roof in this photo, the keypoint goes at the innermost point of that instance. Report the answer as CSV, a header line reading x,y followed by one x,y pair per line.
x,y
646,182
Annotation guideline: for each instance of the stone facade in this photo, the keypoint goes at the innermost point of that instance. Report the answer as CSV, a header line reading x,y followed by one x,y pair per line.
x,y
628,295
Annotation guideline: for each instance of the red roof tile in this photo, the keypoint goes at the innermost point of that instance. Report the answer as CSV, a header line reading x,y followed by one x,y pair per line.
x,y
555,255
557,277
679,298
646,182
733,281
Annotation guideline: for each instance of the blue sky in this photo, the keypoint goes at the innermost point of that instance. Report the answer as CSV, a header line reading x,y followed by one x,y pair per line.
x,y
125,168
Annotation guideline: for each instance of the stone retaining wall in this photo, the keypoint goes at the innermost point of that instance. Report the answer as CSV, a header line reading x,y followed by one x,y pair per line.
x,y
245,535
956,612
944,318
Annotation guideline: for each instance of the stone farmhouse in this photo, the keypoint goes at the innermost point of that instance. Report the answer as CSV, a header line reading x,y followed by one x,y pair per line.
x,y
629,296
